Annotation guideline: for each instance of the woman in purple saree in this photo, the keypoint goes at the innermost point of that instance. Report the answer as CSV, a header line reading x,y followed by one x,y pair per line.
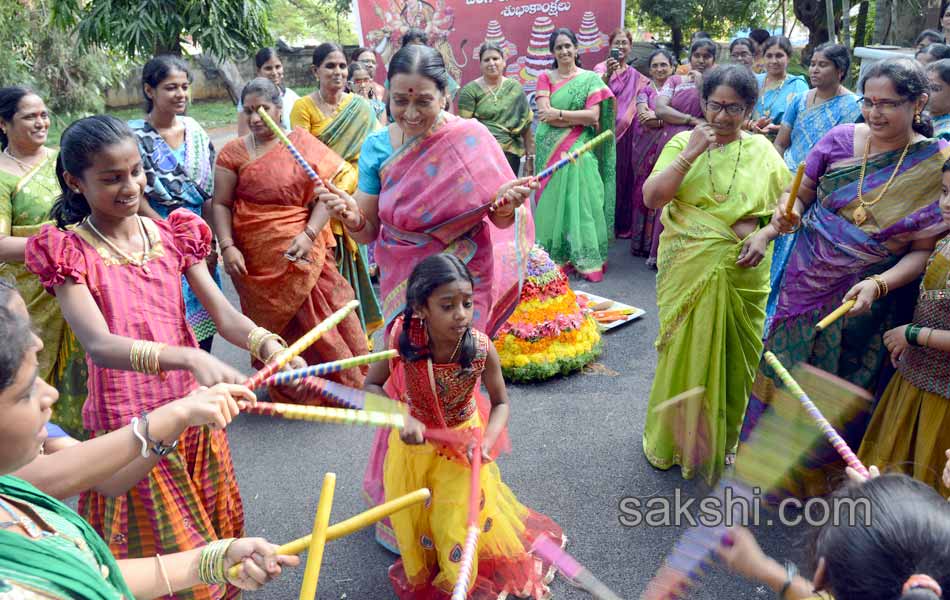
x,y
869,234
627,84
426,185
678,105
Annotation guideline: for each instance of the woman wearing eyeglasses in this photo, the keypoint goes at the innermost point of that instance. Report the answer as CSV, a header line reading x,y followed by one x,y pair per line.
x,y
869,218
717,187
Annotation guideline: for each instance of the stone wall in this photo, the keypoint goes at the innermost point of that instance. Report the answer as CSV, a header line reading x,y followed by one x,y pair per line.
x,y
297,62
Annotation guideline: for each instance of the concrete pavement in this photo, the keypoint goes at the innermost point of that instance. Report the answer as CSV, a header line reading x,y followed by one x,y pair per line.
x,y
576,455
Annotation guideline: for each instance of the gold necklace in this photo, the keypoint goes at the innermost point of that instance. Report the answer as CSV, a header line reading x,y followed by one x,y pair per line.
x,y
494,90
860,213
146,247
27,167
333,107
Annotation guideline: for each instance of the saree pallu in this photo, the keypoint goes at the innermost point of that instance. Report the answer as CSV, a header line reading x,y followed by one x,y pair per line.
x,y
190,498
271,207
434,197
808,126
25,205
910,427
645,148
41,567
711,310
626,86
176,179
685,98
574,218
829,256
344,132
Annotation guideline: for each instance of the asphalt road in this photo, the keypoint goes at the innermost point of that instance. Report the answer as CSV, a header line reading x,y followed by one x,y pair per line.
x,y
576,455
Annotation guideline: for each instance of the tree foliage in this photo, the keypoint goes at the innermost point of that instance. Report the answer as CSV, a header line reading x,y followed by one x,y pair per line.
x,y
45,59
225,28
294,20
719,18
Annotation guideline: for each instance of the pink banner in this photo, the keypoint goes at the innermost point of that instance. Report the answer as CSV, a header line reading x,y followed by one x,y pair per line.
x,y
458,28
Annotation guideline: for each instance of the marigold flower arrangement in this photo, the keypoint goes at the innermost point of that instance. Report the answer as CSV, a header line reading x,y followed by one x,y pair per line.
x,y
548,333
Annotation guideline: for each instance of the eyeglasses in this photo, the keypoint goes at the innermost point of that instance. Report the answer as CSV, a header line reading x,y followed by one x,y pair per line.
x,y
881,105
733,110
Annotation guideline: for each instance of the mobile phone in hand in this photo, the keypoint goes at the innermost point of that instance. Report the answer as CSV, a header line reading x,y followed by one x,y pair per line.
x,y
615,53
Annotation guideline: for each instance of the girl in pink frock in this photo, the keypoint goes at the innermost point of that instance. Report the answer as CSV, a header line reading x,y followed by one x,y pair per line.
x,y
117,277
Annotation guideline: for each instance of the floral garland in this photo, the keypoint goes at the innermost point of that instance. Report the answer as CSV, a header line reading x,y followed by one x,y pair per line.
x,y
549,333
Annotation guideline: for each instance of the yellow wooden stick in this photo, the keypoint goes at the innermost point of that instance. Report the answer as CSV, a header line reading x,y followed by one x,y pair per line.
x,y
793,191
318,539
351,525
835,315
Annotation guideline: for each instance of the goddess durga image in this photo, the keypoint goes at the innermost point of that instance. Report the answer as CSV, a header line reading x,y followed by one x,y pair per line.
x,y
437,20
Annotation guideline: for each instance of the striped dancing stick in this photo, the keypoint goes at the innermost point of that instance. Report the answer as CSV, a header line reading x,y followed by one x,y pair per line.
x,y
301,344
290,145
568,565
285,377
460,592
328,414
836,440
572,156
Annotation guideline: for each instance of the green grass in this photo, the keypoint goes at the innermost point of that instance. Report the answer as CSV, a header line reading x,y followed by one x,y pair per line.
x,y
209,113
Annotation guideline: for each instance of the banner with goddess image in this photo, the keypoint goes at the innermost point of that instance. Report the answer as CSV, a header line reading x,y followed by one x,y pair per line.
x,y
458,28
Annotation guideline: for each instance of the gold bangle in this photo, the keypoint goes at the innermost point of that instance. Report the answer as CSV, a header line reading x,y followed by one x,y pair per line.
x,y
161,568
882,288
926,342
255,337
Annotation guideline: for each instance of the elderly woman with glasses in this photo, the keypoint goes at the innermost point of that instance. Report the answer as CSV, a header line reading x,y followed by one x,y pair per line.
x,y
717,186
869,218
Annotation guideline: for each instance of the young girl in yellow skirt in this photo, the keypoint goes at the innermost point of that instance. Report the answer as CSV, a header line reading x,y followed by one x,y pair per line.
x,y
441,362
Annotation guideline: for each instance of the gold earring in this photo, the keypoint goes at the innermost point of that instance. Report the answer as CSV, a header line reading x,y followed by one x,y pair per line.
x,y
917,118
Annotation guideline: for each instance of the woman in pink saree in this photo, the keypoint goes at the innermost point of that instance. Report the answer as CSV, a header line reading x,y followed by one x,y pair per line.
x,y
427,184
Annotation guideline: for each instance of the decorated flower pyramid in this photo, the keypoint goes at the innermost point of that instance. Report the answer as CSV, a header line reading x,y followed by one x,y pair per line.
x,y
589,37
548,333
495,35
538,58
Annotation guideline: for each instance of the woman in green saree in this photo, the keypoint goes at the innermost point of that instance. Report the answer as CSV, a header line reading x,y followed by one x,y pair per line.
x,y
46,549
575,216
717,187
342,121
499,103
28,188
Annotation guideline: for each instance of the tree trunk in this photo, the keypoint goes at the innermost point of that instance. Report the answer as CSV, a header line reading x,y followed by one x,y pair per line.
x,y
677,33
861,26
811,13
227,70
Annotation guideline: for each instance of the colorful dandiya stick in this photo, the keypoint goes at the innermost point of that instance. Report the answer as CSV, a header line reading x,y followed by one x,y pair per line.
x,y
836,314
285,377
460,592
571,157
328,414
274,127
830,434
318,539
793,191
305,341
783,437
349,526
573,570
347,397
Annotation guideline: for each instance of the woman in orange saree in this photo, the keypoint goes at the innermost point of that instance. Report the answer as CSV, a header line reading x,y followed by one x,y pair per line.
x,y
276,242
